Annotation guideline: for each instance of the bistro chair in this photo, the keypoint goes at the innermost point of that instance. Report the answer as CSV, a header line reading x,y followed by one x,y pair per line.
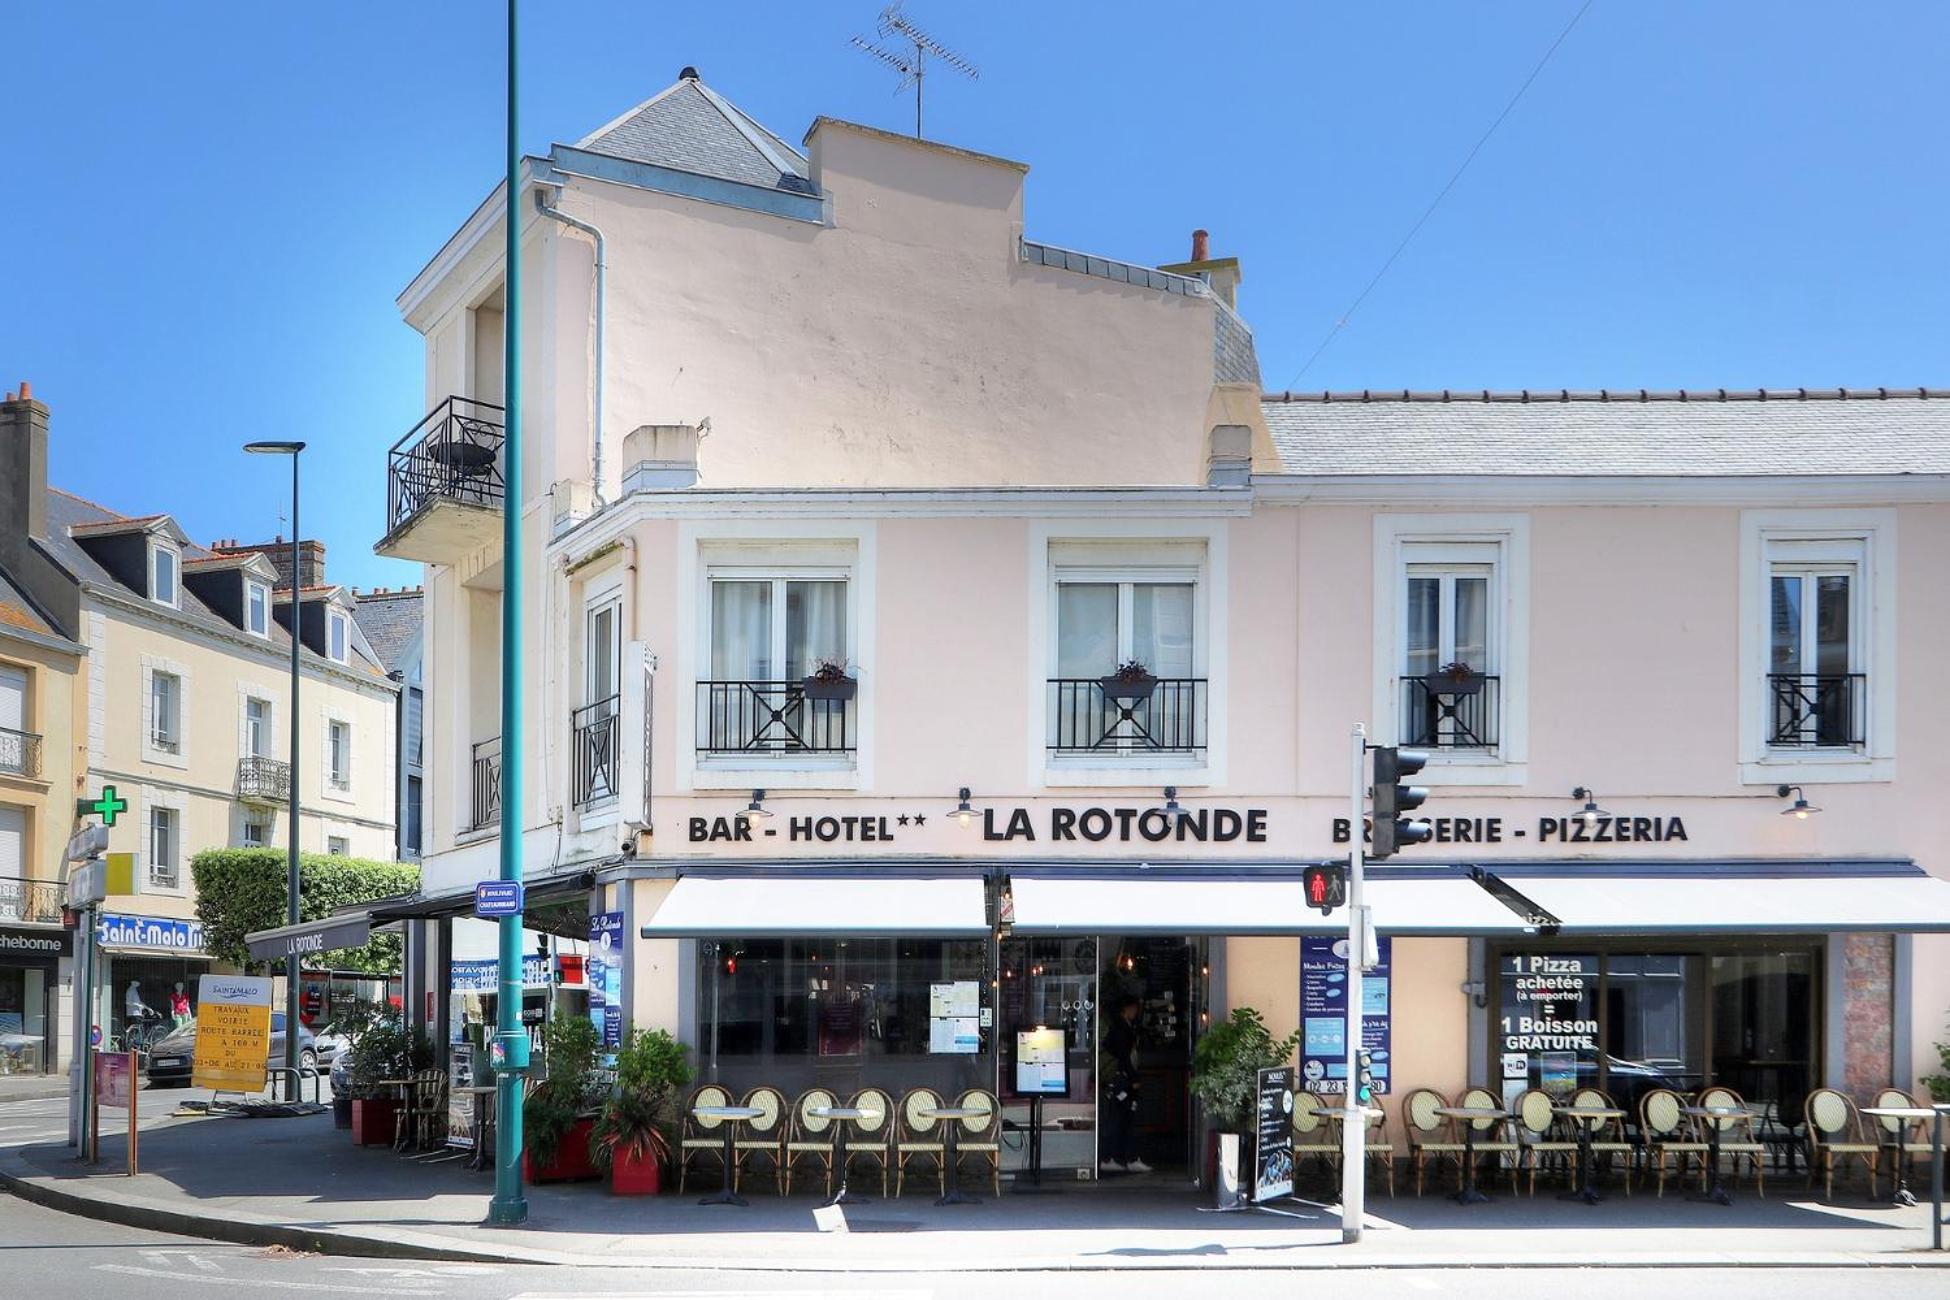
x,y
1607,1135
1737,1136
427,1100
871,1136
920,1137
1902,1139
1313,1132
1835,1129
1492,1135
1544,1135
763,1136
1378,1147
1429,1134
981,1139
698,1136
810,1136
1664,1129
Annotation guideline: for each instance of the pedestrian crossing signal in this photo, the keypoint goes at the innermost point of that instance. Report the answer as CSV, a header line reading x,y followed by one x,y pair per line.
x,y
1326,887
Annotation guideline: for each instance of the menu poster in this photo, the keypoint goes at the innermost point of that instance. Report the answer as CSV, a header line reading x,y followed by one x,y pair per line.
x,y
954,1017
1323,1014
1042,1063
604,969
1273,1139
460,1102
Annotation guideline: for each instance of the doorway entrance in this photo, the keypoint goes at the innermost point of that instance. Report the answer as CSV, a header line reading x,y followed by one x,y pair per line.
x,y
1162,975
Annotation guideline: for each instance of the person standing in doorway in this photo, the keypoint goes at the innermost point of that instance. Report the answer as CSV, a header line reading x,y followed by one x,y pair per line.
x,y
1120,1093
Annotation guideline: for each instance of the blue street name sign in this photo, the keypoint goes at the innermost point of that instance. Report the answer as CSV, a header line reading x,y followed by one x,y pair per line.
x,y
497,898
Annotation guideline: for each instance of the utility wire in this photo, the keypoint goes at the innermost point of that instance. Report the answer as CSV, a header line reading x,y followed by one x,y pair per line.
x,y
1441,194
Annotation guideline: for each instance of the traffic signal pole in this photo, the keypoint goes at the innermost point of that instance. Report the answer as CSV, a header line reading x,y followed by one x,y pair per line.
x,y
1354,1127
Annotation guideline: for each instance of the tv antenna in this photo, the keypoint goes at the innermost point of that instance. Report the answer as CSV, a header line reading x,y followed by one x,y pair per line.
x,y
895,25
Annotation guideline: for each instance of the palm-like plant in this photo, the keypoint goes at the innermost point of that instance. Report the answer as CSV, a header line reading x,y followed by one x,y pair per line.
x,y
651,1067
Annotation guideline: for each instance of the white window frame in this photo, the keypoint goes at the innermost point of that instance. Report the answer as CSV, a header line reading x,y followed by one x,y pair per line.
x,y
173,803
605,598
340,845
178,757
260,822
817,549
778,575
244,747
338,635
1133,551
158,549
1458,543
330,718
1864,542
257,608
337,775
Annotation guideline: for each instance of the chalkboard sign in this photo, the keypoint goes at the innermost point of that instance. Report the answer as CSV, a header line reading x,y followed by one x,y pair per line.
x,y
1273,1144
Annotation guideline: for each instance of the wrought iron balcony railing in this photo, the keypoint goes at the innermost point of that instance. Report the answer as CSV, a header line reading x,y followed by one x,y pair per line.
x,y
1085,718
486,784
263,780
29,900
20,753
594,731
1816,710
1451,715
757,719
453,454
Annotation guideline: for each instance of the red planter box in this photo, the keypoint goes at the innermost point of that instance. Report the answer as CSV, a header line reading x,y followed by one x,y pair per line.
x,y
571,1163
375,1121
633,1176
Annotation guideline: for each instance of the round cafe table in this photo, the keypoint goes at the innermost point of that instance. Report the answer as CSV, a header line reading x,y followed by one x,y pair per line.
x,y
1586,1117
842,1114
1470,1114
1715,1116
728,1117
955,1115
1904,1196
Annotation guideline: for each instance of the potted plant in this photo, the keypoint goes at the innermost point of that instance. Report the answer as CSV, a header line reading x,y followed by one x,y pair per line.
x,y
350,1024
387,1049
1131,681
1454,678
1225,1078
631,1136
1939,1084
561,1109
829,680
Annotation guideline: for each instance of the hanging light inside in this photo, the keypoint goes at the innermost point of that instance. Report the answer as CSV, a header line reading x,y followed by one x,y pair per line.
x,y
1591,812
1800,809
963,812
754,810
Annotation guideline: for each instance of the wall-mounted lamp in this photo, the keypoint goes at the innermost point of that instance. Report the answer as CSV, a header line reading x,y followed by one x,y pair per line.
x,y
963,812
1800,808
754,810
1591,812
1173,810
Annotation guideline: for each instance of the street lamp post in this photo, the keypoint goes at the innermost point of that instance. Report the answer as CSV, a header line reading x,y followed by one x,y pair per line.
x,y
291,449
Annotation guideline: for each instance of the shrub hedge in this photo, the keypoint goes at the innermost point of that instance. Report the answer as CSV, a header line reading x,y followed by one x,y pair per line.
x,y
239,891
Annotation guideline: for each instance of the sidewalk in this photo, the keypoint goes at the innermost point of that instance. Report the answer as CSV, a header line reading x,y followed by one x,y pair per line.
x,y
32,1087
301,1183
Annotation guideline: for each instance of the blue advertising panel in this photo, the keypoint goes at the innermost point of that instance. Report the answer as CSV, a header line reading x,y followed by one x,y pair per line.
x,y
1323,1013
605,972
484,975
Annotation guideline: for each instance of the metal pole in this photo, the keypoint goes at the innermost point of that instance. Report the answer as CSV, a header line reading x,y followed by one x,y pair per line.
x,y
291,851
510,1203
85,1024
1936,1178
1354,1126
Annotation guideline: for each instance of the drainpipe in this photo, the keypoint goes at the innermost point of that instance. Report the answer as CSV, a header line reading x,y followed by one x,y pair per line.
x,y
548,209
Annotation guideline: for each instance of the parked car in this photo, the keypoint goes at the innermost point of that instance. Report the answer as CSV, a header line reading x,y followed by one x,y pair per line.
x,y
173,1057
331,1046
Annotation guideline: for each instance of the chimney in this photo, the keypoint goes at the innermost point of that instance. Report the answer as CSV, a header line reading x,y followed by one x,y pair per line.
x,y
1222,273
660,456
1199,245
311,559
1229,456
23,511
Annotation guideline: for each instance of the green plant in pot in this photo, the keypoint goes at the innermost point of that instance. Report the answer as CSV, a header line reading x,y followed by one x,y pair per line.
x,y
1939,1084
1226,1066
387,1048
631,1137
829,680
1132,681
561,1109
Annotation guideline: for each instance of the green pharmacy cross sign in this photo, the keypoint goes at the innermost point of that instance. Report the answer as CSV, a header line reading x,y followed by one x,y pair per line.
x,y
108,807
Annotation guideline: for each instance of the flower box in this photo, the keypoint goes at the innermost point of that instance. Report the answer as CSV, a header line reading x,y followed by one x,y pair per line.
x,y
829,688
375,1121
571,1162
631,1175
1117,687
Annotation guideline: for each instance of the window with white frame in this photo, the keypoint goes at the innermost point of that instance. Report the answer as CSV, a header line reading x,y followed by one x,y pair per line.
x,y
594,725
1817,688
1451,689
165,848
257,608
166,712
338,635
779,670
257,727
1126,663
338,845
163,562
256,831
338,754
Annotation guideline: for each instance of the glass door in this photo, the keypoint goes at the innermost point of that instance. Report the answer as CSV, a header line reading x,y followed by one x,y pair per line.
x,y
1050,985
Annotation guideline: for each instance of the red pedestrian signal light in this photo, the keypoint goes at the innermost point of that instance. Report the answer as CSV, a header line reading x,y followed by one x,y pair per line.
x,y
1325,887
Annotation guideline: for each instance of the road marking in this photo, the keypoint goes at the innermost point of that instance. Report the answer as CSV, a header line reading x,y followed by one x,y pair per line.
x,y
204,1279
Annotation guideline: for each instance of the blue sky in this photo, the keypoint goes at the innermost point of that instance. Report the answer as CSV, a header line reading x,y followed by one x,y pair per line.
x,y
213,205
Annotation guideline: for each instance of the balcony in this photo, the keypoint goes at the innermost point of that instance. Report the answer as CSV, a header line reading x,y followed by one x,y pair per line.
x,y
29,900
20,753
764,721
1816,710
593,733
1452,715
1085,719
263,780
444,484
486,785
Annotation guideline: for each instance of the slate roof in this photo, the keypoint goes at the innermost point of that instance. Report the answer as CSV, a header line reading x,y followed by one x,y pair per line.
x,y
690,127
1708,433
391,622
16,610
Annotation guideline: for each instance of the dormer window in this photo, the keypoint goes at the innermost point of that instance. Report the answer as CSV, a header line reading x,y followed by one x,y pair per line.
x,y
257,609
163,562
337,635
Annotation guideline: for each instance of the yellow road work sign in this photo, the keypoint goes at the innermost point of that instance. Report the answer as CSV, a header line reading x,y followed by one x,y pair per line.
x,y
233,1032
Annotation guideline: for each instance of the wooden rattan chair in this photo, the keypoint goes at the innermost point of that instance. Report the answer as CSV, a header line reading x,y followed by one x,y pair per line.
x,y
1902,1140
810,1136
428,1101
697,1136
981,1139
1544,1135
1737,1136
1429,1134
920,1137
1835,1132
1378,1146
1492,1136
762,1137
871,1137
1313,1133
1666,1134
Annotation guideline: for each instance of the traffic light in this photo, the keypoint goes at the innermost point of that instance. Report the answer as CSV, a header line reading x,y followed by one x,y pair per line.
x,y
1364,1080
1325,886
1392,799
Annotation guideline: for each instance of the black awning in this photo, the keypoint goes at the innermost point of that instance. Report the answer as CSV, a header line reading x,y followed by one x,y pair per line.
x,y
536,890
341,930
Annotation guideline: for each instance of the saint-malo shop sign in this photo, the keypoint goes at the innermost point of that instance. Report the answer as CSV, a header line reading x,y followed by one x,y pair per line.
x,y
1058,826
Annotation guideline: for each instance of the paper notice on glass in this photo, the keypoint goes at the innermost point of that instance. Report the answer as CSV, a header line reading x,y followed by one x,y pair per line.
x,y
965,999
951,1035
941,998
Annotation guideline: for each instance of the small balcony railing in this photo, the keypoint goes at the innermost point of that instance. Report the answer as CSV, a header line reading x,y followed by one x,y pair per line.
x,y
1084,718
486,803
20,753
263,780
594,730
764,719
452,454
1816,710
1448,715
29,900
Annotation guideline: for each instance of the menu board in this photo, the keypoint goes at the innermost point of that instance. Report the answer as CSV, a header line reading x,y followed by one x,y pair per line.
x,y
1273,1137
954,1017
1042,1063
460,1102
604,969
1323,1013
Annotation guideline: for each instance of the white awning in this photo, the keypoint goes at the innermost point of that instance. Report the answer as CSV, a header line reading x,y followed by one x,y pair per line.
x,y
1740,904
757,906
1246,905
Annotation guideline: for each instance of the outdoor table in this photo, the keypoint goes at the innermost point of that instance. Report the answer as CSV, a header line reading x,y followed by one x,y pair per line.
x,y
955,1115
1470,1114
730,1115
483,1096
1903,1195
842,1114
1587,1191
1715,1193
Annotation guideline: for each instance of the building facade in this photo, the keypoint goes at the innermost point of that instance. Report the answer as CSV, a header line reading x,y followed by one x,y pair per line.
x,y
935,636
